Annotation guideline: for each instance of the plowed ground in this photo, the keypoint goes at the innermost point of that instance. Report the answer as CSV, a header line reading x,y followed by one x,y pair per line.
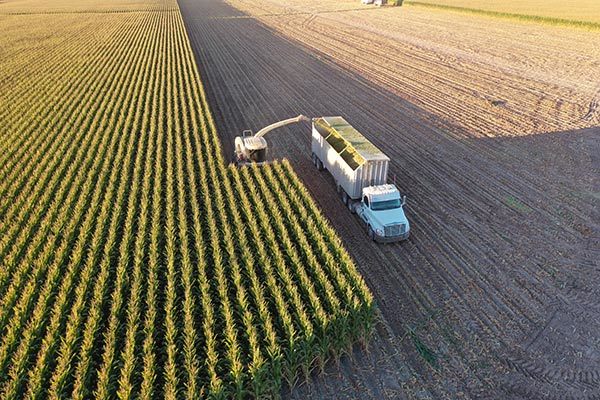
x,y
492,128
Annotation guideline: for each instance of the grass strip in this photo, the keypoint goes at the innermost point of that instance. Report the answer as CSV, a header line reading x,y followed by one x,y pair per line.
x,y
506,15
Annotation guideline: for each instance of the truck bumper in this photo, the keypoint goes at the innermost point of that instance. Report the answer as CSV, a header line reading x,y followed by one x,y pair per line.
x,y
391,239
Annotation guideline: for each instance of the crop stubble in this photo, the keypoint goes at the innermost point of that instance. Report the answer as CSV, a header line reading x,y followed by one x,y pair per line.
x,y
492,134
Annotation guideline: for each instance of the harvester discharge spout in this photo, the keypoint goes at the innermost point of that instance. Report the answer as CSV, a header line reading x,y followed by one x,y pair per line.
x,y
252,148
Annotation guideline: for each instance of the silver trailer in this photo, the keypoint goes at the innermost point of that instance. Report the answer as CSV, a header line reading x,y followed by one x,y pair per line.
x,y
353,161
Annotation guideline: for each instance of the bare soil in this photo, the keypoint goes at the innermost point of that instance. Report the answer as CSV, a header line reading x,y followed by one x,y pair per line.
x,y
492,128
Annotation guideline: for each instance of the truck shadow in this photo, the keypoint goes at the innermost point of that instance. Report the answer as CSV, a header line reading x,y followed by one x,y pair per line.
x,y
501,226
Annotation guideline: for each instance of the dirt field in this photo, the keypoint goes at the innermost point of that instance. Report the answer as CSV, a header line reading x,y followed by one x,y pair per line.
x,y
492,127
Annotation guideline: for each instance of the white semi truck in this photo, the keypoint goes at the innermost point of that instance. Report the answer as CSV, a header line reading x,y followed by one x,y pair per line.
x,y
360,172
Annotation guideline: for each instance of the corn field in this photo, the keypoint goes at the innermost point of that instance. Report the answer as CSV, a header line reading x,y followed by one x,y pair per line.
x,y
133,261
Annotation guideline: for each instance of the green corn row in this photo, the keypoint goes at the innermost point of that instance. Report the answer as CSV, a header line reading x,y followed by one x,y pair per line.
x,y
134,263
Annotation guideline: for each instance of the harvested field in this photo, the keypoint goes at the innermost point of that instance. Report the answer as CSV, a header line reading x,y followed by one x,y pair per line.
x,y
492,127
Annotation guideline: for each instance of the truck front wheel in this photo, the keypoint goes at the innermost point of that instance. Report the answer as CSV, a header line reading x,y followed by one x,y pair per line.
x,y
371,232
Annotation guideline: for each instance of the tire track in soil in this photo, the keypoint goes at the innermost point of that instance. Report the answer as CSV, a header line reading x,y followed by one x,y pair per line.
x,y
470,258
593,113
562,358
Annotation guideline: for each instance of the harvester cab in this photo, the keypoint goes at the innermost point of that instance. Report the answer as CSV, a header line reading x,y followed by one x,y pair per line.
x,y
249,148
252,148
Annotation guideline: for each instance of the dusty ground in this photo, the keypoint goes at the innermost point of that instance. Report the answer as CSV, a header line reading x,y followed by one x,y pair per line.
x,y
492,127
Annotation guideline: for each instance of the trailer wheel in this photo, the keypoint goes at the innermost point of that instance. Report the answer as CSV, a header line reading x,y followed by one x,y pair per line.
x,y
319,164
314,159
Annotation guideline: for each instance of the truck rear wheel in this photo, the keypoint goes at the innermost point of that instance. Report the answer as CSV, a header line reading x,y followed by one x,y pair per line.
x,y
345,198
351,206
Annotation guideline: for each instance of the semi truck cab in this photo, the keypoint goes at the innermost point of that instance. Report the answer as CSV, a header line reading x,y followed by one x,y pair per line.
x,y
381,208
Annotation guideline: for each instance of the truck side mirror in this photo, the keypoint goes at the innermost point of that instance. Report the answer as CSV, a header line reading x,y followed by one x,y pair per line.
x,y
403,201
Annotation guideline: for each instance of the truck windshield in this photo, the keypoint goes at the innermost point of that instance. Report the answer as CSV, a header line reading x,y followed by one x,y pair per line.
x,y
385,205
